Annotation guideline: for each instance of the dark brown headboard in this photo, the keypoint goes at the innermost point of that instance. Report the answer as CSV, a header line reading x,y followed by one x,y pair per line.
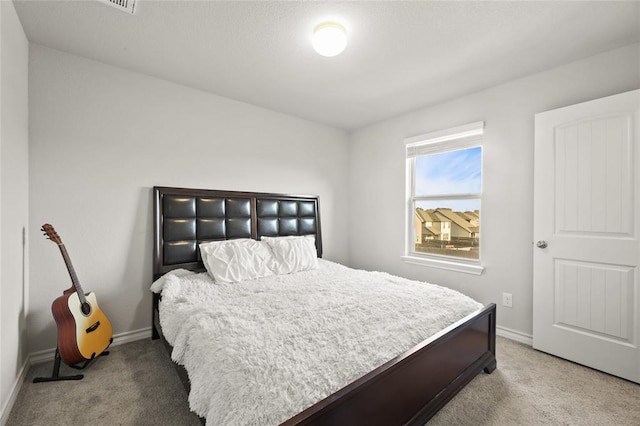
x,y
184,218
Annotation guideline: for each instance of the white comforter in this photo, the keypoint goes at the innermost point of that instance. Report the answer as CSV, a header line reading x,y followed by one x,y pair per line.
x,y
258,352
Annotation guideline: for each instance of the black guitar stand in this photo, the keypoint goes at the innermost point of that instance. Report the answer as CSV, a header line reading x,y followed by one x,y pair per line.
x,y
55,374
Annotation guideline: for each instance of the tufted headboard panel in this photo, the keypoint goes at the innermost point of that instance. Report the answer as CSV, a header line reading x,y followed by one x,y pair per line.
x,y
184,218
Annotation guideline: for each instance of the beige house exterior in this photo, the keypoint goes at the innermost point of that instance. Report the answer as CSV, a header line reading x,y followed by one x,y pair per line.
x,y
430,226
443,224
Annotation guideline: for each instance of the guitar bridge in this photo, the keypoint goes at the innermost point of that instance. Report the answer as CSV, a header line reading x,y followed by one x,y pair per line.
x,y
93,327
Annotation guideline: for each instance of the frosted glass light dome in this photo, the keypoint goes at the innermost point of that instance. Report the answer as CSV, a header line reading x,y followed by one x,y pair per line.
x,y
329,38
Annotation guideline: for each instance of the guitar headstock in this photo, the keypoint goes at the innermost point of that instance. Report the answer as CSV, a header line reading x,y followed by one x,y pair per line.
x,y
51,233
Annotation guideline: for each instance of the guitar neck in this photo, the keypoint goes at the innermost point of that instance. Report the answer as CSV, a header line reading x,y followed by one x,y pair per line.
x,y
72,273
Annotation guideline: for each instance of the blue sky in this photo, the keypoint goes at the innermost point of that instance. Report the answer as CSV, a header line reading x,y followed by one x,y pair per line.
x,y
454,172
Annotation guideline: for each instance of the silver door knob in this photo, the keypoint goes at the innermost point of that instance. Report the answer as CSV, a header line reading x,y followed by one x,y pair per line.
x,y
541,244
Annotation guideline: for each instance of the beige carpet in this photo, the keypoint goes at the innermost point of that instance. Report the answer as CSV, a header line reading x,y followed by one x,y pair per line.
x,y
136,385
533,388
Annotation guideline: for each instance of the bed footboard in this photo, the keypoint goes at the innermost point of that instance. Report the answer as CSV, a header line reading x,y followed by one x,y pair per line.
x,y
411,388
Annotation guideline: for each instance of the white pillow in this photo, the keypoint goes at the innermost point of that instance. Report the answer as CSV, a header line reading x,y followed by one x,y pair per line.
x,y
231,261
293,254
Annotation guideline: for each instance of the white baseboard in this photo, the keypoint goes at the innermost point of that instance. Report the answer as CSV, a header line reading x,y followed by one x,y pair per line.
x,y
13,394
131,336
41,356
48,354
518,336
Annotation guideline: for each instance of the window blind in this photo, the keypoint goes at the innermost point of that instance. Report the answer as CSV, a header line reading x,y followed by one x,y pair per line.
x,y
454,137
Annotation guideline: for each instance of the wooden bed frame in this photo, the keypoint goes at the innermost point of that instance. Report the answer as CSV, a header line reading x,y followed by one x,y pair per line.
x,y
409,389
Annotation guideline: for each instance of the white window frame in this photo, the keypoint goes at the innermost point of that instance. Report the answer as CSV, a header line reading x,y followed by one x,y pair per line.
x,y
456,138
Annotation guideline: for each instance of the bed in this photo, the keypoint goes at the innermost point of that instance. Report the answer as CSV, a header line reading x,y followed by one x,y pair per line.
x,y
407,389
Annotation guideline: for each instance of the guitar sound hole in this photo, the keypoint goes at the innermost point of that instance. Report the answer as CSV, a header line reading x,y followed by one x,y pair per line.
x,y
85,308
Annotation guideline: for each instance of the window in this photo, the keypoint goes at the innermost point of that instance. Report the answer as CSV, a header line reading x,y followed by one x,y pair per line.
x,y
444,188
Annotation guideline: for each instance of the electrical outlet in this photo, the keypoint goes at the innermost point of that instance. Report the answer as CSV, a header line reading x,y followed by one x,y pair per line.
x,y
507,300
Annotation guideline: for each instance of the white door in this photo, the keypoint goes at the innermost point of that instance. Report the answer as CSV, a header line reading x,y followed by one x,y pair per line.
x,y
586,228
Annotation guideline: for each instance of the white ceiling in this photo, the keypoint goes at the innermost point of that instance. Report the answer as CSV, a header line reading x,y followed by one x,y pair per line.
x,y
401,55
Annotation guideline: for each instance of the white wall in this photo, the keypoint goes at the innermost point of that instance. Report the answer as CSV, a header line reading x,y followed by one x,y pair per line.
x,y
14,187
377,177
101,137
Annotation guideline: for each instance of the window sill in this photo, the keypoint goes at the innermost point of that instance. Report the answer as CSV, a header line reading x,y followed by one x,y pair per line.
x,y
467,268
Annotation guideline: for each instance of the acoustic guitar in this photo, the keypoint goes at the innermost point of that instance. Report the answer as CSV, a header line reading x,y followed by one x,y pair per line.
x,y
84,331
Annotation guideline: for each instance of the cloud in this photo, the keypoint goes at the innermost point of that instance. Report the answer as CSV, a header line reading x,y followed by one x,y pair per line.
x,y
454,172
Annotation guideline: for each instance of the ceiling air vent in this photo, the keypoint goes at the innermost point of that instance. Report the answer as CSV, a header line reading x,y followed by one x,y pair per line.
x,y
128,6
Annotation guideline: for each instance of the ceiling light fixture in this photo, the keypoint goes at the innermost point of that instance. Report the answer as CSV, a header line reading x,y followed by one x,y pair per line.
x,y
329,38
